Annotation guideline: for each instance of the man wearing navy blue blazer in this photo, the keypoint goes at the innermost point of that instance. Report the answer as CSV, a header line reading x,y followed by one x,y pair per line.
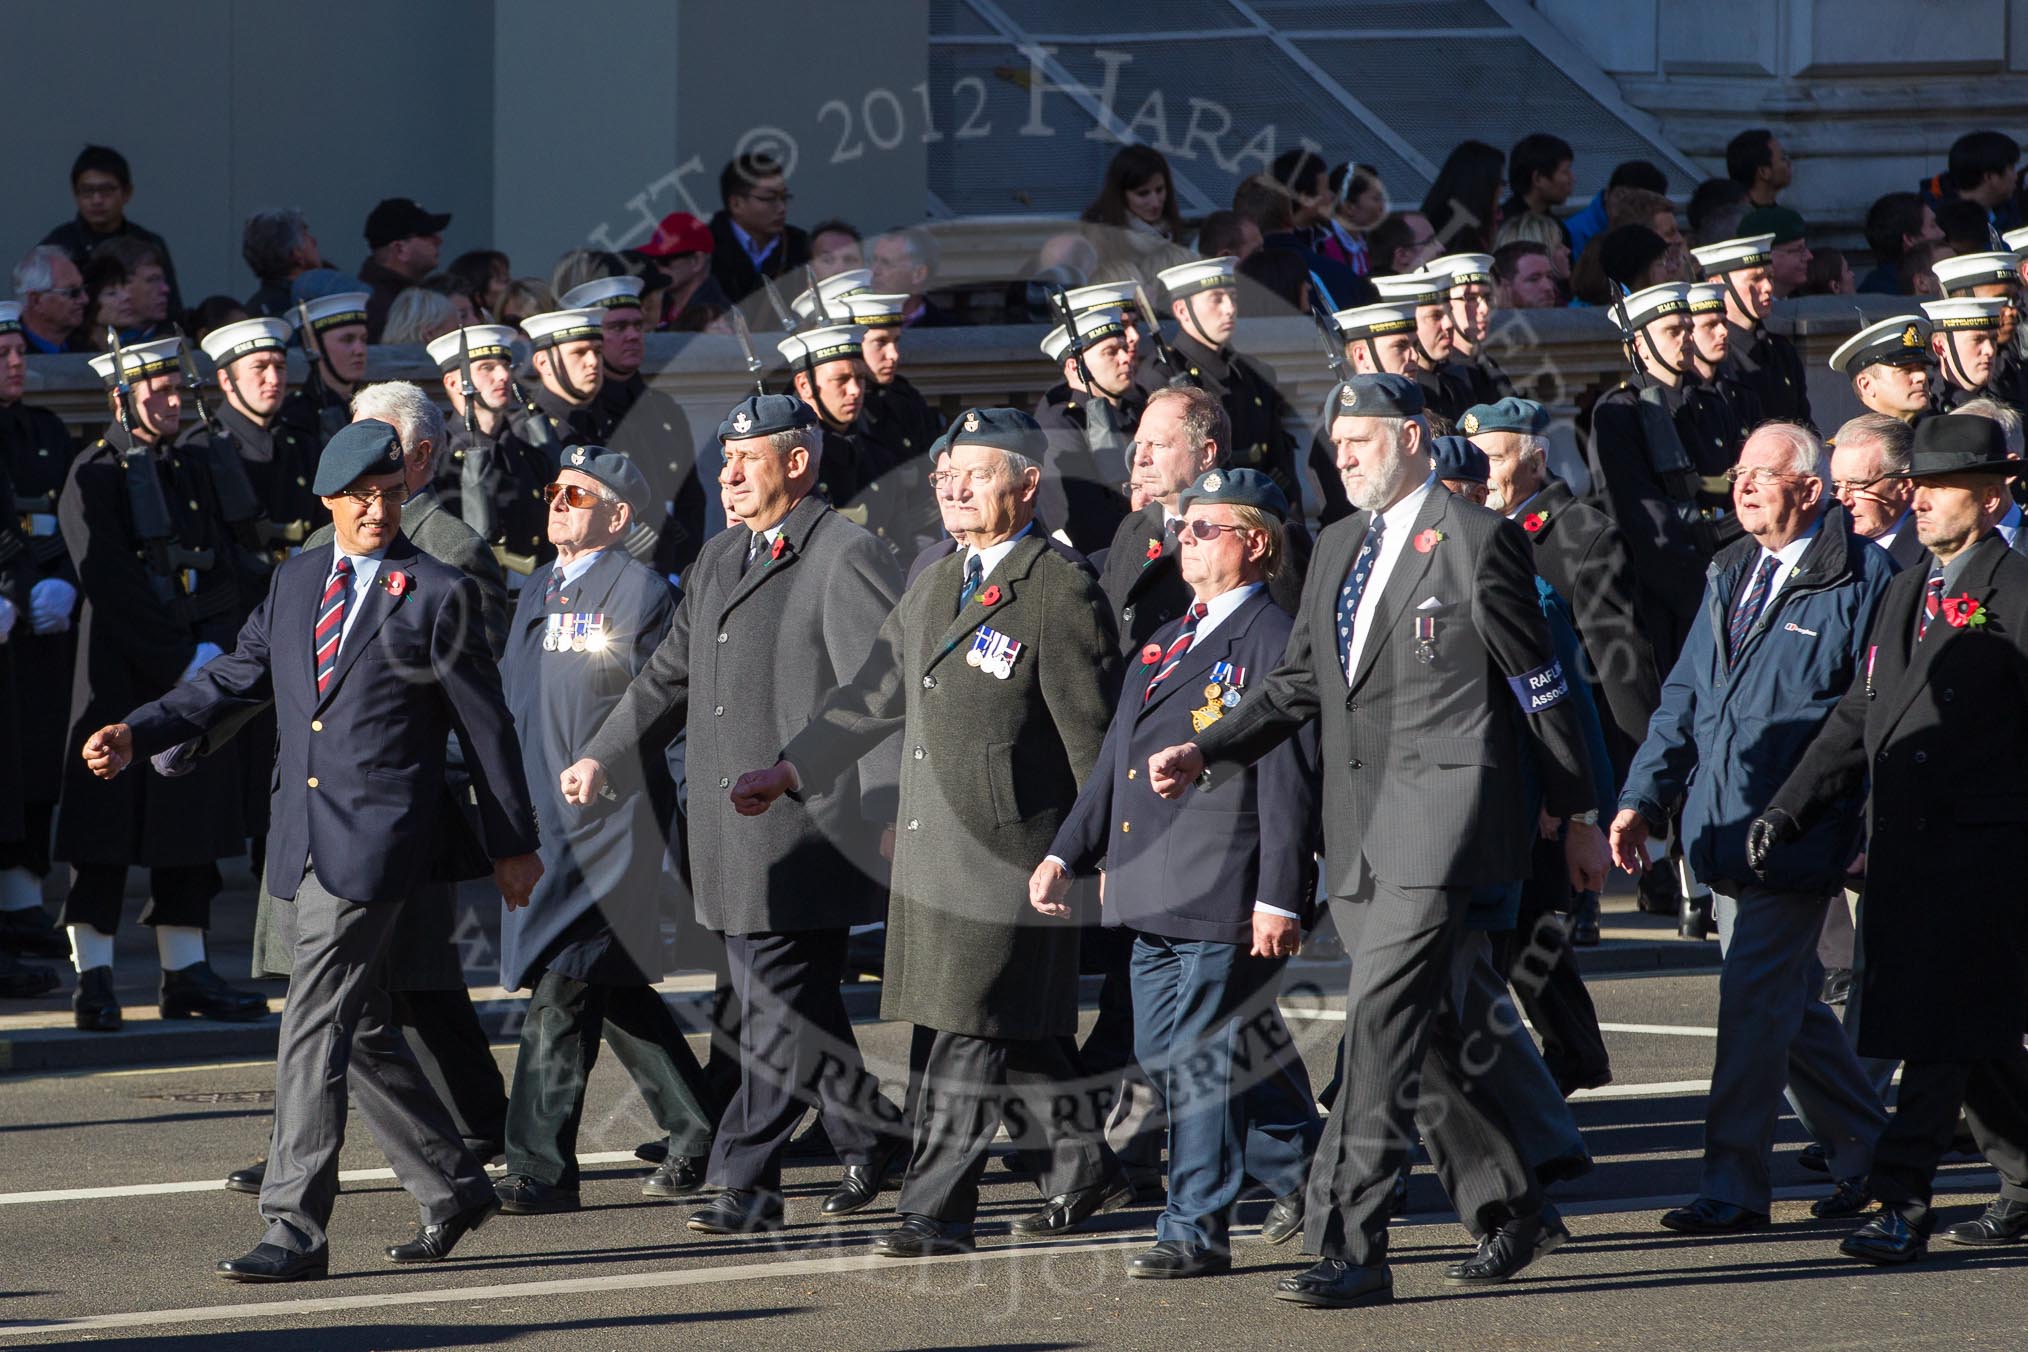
x,y
373,653
1215,888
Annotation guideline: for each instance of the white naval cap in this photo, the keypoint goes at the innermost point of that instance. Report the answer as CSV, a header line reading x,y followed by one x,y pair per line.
x,y
604,293
1102,296
1900,341
815,347
1651,303
138,361
1094,326
1966,312
10,316
1463,268
1424,287
227,343
1375,321
833,289
331,312
1202,274
1965,271
480,342
2016,239
872,310
563,326
1706,298
1730,255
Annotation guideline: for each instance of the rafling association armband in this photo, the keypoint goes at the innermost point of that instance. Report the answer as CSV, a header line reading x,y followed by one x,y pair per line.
x,y
1542,688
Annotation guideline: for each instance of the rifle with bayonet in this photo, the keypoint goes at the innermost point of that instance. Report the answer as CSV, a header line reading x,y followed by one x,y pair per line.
x,y
475,503
238,503
782,311
1110,447
172,568
1712,528
1172,364
331,414
754,365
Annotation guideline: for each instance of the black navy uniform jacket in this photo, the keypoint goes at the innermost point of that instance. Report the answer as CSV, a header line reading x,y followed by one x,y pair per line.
x,y
313,411
1770,366
1479,377
651,429
1424,751
359,770
1939,729
280,465
1083,488
1144,583
37,449
594,916
133,645
1252,400
1193,868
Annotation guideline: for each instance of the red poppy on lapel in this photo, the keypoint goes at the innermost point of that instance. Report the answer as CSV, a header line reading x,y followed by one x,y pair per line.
x,y
990,596
1151,654
1964,610
1534,522
1154,550
1427,540
778,548
395,582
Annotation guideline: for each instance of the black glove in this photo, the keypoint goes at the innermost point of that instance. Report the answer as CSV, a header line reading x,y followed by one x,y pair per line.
x,y
1771,828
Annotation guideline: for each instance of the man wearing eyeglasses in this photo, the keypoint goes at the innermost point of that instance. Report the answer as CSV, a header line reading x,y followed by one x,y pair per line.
x,y
52,295
751,235
1869,458
1781,636
589,943
373,654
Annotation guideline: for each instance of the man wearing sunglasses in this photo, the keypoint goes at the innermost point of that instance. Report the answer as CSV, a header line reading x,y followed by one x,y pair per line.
x,y
589,944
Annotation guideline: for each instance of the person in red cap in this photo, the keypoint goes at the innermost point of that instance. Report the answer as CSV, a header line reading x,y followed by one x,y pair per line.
x,y
405,240
681,249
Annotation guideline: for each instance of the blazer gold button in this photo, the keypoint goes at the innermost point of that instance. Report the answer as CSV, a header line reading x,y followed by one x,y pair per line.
x,y
1126,826
929,682
724,783
313,781
919,753
1130,774
316,725
718,711
913,823
721,638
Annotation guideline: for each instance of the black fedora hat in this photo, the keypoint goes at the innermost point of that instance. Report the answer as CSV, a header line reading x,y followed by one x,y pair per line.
x,y
1959,443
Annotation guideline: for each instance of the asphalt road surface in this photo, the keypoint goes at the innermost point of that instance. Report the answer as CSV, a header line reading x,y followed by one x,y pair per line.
x,y
111,1217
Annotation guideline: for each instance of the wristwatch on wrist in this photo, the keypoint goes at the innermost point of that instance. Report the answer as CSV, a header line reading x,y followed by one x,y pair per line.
x,y
1585,818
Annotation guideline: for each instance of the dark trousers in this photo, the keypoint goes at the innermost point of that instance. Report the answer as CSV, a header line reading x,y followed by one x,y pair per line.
x,y
339,1050
971,1086
1402,1048
1994,1096
177,895
32,850
1539,963
1134,1126
443,1031
1237,1096
797,1051
560,1045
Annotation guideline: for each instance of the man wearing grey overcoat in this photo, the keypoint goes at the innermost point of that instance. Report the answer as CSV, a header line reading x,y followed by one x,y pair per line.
x,y
1420,648
776,613
999,668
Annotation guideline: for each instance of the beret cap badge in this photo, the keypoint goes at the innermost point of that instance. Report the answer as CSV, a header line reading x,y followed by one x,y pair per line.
x,y
741,421
972,422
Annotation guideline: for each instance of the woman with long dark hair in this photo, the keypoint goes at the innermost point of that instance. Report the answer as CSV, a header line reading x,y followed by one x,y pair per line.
x,y
1138,195
1463,205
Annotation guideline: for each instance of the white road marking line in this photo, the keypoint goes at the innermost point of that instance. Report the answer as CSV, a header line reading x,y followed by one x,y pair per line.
x,y
1660,1089
1315,1015
218,1185
774,1271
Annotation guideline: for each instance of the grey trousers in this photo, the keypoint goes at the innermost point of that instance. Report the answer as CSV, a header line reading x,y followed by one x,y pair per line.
x,y
338,1041
1499,1054
1774,1029
1403,1070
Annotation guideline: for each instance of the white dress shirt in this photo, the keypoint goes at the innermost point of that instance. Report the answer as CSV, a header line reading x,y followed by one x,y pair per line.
x,y
989,557
1394,537
365,570
1787,557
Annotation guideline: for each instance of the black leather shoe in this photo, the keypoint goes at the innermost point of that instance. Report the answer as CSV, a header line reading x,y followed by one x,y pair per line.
x,y
32,934
1693,921
921,1237
1553,1235
271,1263
433,1243
861,1183
676,1179
1501,1255
1067,1211
1886,1240
520,1195
652,1152
1284,1219
1175,1258
93,1004
738,1211
197,992
1708,1216
249,1179
1837,985
2003,1222
1336,1285
1848,1199
24,981
1815,1158
1660,891
1584,921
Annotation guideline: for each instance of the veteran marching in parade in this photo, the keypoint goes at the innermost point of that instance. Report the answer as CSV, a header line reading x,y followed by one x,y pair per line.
x,y
1077,723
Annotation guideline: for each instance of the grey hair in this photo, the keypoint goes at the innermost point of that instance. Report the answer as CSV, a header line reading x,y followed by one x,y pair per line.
x,y
1894,438
269,240
413,414
2009,420
417,315
809,438
1531,444
1394,426
37,270
920,243
1806,454
1017,463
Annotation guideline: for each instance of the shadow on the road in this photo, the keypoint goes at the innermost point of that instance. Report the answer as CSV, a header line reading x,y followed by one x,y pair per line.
x,y
153,1119
409,1337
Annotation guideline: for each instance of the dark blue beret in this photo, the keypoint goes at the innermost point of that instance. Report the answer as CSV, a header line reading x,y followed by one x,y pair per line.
x,y
1237,488
1376,396
1458,458
368,446
1508,415
616,471
762,415
1008,429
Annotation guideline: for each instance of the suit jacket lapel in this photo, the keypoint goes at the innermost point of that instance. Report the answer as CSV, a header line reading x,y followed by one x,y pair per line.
x,y
375,606
1409,567
1192,671
1012,571
1150,528
1977,582
766,565
296,615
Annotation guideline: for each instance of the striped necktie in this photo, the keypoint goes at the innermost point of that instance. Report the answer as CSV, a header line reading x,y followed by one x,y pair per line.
x,y
331,621
1749,607
1177,647
1932,602
554,592
1355,588
975,573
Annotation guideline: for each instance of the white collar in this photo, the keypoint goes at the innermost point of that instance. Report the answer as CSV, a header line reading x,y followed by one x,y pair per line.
x,y
989,558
